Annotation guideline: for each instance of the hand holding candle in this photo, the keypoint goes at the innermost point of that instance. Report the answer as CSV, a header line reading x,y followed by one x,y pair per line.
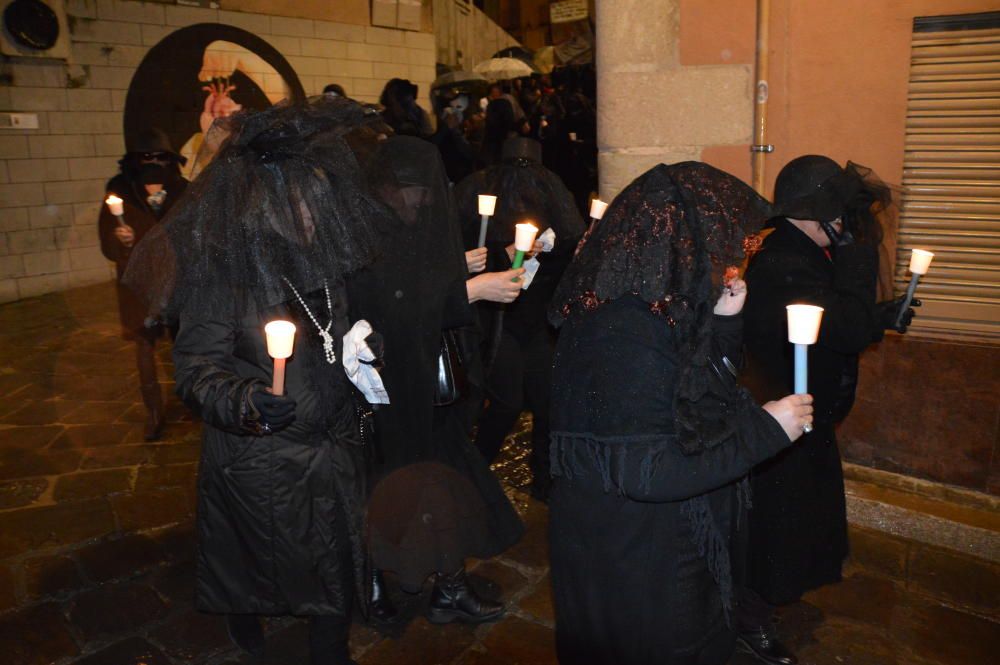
x,y
920,263
524,241
487,206
280,342
803,330
597,209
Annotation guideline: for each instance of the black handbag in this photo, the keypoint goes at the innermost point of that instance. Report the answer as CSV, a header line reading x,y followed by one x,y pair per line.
x,y
449,382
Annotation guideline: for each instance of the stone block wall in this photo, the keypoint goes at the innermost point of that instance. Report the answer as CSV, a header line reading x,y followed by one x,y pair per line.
x,y
466,37
654,106
52,178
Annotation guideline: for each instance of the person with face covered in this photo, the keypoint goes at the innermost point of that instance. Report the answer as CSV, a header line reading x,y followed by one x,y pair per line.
x,y
435,502
517,340
149,184
269,231
651,435
823,251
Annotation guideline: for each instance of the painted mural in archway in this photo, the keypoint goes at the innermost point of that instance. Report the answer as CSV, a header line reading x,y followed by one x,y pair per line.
x,y
202,72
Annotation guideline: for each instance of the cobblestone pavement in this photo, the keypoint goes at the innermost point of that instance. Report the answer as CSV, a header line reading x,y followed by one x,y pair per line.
x,y
123,595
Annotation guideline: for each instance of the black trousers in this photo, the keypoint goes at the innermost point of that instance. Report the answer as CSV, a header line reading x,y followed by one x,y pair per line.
x,y
521,377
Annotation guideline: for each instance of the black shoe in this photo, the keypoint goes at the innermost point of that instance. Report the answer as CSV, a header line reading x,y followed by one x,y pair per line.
x,y
246,633
454,600
381,607
763,645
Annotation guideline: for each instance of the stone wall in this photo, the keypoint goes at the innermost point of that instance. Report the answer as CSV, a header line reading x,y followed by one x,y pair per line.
x,y
653,108
466,39
52,178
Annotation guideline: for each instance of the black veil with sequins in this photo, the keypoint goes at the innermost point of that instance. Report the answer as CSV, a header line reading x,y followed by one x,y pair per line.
x,y
283,200
667,238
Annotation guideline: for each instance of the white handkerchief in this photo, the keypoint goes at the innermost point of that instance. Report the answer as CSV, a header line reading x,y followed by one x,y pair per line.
x,y
530,268
548,240
362,375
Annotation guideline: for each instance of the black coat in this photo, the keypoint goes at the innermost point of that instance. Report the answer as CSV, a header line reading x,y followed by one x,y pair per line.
x,y
643,536
142,218
435,501
279,516
798,524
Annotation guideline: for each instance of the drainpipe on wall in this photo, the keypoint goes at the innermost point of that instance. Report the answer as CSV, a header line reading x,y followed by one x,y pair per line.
x,y
760,148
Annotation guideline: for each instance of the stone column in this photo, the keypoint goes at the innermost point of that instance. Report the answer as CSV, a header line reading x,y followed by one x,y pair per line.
x,y
652,107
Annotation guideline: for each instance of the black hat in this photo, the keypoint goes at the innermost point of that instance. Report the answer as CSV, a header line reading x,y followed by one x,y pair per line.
x,y
813,187
521,148
153,140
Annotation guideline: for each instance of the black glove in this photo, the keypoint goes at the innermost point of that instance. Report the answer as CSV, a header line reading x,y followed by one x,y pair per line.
x,y
888,312
276,411
376,343
837,239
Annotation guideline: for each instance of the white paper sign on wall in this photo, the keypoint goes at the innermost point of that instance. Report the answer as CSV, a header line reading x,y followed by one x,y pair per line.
x,y
568,10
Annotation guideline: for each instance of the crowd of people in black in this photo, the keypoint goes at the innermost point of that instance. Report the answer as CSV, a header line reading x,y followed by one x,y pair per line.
x,y
419,341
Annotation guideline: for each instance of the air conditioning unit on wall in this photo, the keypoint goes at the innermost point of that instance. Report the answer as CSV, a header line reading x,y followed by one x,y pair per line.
x,y
34,29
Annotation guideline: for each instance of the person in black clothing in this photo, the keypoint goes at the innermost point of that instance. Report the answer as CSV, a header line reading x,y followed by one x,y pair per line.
x,y
651,435
401,111
149,184
435,502
457,153
269,231
823,251
517,339
498,127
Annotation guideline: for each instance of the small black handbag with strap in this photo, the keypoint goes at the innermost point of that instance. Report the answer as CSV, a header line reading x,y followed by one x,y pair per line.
x,y
450,380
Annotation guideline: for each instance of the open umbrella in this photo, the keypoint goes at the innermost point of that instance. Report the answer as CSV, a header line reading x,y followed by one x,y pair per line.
x,y
458,79
496,69
518,52
545,59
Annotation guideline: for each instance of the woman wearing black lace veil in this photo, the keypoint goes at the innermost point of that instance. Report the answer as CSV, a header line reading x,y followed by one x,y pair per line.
x,y
435,502
269,230
650,433
517,340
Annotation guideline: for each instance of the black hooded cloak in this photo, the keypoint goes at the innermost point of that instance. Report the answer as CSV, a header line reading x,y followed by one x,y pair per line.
x,y
435,501
282,205
650,433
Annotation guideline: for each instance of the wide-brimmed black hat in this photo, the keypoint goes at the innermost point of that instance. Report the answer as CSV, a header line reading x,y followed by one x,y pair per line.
x,y
153,140
815,187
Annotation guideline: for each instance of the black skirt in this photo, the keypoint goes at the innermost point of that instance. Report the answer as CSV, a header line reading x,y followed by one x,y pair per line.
x,y
429,515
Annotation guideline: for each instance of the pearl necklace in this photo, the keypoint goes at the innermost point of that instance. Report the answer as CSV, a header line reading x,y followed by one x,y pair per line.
x,y
331,356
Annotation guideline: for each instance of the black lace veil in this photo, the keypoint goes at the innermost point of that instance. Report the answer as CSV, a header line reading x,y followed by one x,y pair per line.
x,y
525,191
283,200
667,238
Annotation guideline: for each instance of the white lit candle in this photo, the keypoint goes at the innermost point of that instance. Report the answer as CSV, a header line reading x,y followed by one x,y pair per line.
x,y
280,342
524,240
597,209
117,208
487,205
920,263
803,330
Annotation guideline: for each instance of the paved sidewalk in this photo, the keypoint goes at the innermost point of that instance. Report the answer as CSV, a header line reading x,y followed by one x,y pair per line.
x,y
96,538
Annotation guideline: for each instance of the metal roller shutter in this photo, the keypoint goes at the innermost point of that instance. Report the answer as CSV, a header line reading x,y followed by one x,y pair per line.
x,y
951,204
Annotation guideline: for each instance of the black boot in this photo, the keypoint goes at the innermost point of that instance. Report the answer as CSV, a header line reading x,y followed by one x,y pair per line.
x,y
381,607
765,646
328,636
246,633
454,600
